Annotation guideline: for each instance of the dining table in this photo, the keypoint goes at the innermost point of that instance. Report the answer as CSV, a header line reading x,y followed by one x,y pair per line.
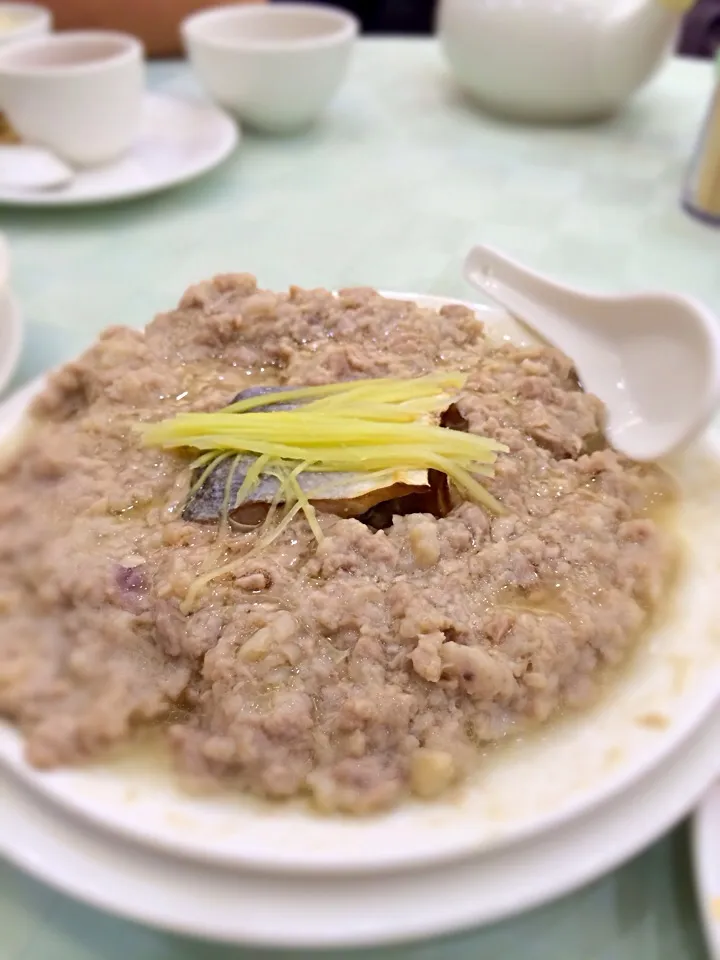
x,y
391,189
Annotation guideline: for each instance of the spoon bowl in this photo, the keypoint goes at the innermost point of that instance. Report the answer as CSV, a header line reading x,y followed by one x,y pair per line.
x,y
652,358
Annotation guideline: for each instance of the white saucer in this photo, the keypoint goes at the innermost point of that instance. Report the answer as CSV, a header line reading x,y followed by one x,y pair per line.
x,y
180,140
315,912
706,866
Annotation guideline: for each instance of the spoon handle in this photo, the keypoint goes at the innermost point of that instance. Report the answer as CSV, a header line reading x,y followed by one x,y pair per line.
x,y
544,307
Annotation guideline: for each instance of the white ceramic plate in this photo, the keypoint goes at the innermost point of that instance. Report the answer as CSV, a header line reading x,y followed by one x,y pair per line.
x,y
316,912
706,866
522,789
180,140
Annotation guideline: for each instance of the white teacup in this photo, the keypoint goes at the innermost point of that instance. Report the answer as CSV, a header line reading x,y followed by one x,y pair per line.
x,y
77,93
22,21
275,65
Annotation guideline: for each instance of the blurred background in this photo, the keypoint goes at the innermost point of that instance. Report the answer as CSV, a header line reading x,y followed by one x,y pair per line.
x,y
157,21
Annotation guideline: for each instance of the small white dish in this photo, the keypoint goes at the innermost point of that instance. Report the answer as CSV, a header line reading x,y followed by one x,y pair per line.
x,y
11,336
77,93
23,21
524,790
11,321
706,866
4,263
314,913
179,140
276,66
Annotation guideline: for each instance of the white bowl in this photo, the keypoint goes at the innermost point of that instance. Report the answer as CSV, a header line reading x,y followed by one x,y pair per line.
x,y
23,21
573,768
275,66
77,93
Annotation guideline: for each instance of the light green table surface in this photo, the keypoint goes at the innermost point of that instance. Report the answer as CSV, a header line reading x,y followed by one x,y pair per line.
x,y
391,190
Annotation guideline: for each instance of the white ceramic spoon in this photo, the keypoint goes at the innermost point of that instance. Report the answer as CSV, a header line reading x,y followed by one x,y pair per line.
x,y
32,168
652,358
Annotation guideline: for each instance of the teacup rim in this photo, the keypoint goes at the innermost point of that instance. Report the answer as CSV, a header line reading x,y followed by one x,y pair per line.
x,y
348,26
130,48
37,10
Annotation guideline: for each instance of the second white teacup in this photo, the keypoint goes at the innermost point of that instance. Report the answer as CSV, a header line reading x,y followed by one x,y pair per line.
x,y
275,65
78,93
23,21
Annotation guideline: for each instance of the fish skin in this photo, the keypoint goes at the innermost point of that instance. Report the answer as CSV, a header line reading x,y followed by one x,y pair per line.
x,y
253,392
206,504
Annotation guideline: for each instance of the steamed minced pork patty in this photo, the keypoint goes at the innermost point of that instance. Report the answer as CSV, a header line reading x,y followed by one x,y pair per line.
x,y
359,669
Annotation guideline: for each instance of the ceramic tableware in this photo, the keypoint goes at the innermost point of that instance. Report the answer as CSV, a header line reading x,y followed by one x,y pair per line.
x,y
652,358
179,140
556,59
526,790
276,66
23,21
79,94
11,322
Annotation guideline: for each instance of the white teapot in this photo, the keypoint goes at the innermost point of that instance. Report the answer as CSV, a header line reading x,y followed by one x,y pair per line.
x,y
556,59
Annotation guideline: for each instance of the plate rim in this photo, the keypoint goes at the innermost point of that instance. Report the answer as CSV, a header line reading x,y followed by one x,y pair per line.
x,y
625,830
228,139
704,841
579,807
